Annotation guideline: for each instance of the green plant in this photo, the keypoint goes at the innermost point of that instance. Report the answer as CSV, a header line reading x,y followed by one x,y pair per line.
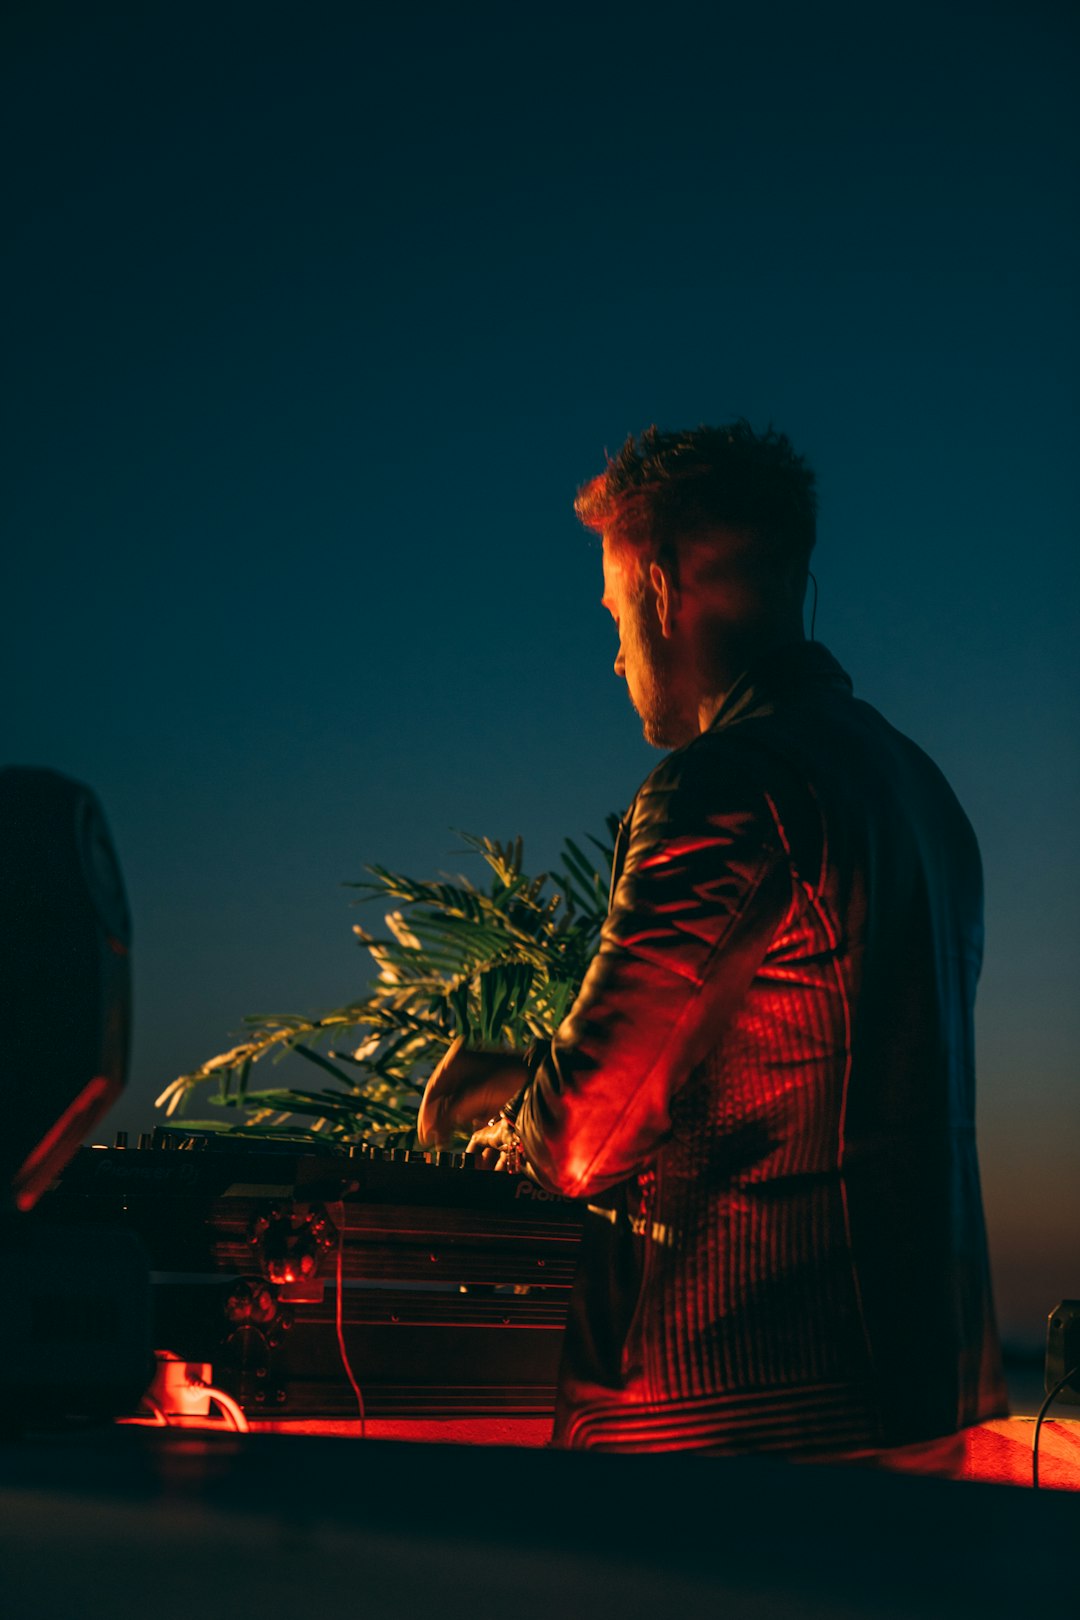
x,y
499,965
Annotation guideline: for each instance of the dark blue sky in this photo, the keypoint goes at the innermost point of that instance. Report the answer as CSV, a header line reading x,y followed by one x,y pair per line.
x,y
315,324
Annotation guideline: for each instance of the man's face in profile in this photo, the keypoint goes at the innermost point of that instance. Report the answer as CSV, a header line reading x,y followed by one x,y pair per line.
x,y
645,658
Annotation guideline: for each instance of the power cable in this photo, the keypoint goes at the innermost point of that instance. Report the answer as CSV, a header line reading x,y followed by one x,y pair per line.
x,y
339,1323
1043,1409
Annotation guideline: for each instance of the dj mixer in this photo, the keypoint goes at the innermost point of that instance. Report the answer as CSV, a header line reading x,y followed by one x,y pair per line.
x,y
316,1279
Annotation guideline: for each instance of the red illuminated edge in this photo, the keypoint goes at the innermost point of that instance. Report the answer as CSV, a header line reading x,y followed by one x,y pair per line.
x,y
62,1139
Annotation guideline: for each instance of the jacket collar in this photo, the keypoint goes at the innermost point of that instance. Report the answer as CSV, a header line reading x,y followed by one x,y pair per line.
x,y
780,676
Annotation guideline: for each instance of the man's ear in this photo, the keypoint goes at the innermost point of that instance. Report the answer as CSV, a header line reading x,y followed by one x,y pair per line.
x,y
665,596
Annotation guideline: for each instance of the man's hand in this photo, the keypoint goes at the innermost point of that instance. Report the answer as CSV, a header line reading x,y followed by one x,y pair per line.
x,y
465,1091
496,1145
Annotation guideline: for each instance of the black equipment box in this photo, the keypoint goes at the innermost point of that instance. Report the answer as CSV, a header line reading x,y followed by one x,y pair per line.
x,y
454,1280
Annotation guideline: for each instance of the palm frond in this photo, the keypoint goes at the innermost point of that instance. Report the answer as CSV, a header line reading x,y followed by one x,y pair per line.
x,y
500,966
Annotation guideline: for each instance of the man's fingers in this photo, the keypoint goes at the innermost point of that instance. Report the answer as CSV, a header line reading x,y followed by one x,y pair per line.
x,y
491,1147
465,1088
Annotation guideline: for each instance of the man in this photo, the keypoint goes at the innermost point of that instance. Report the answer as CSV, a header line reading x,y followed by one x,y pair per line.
x,y
764,1091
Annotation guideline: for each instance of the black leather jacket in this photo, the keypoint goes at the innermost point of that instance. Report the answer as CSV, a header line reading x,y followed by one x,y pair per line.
x,y
765,1092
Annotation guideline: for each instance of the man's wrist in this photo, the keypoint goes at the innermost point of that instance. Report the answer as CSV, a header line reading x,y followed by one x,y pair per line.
x,y
509,1110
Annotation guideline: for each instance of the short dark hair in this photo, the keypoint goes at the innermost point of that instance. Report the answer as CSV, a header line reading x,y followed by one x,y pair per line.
x,y
663,487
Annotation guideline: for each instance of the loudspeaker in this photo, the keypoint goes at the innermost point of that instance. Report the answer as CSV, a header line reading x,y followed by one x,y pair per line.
x,y
65,976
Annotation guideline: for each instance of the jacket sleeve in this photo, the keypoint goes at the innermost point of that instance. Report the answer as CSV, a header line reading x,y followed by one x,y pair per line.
x,y
704,886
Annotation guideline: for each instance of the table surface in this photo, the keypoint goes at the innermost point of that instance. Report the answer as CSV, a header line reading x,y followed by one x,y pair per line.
x,y
127,1522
